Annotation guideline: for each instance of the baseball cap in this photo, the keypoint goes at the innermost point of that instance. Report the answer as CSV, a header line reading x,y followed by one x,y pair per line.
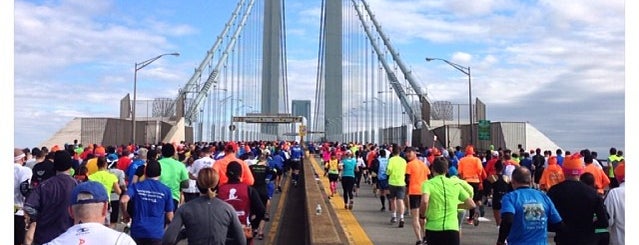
x,y
100,151
495,153
93,192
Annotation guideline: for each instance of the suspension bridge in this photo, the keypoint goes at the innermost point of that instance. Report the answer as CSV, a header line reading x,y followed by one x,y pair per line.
x,y
364,92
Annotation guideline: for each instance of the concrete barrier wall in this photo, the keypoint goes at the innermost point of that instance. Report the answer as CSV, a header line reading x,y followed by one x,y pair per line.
x,y
324,229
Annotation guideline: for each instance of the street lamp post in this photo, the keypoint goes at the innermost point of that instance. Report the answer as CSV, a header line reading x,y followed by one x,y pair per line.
x,y
139,66
465,70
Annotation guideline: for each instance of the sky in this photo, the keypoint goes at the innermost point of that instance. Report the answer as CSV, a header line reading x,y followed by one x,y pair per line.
x,y
559,65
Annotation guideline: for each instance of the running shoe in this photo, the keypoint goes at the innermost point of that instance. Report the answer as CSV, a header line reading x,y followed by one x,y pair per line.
x,y
393,220
382,209
350,205
267,217
401,223
419,243
476,219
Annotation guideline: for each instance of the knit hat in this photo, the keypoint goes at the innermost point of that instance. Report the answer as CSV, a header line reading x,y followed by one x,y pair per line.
x,y
62,161
620,171
573,165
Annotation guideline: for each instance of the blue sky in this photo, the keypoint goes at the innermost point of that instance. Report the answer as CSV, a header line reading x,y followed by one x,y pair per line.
x,y
557,64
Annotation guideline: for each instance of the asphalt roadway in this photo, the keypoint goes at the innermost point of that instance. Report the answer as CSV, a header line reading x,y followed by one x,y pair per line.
x,y
379,230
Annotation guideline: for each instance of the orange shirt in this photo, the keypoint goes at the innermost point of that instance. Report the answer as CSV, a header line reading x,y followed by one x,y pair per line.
x,y
601,180
220,167
471,169
552,175
418,175
370,157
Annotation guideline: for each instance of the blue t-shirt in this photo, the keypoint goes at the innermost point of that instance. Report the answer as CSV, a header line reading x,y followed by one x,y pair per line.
x,y
383,163
276,162
526,162
532,211
560,160
348,167
133,167
151,200
296,152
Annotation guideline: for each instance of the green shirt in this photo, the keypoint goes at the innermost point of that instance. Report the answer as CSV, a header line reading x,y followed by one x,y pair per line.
x,y
396,171
465,187
173,172
443,197
105,178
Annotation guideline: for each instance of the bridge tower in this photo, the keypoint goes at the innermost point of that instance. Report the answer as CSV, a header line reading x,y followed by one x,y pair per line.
x,y
333,69
271,66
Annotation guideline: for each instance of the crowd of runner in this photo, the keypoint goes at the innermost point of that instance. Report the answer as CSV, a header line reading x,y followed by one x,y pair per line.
x,y
219,192
206,193
575,195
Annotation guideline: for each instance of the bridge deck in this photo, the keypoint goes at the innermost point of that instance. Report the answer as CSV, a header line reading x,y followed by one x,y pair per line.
x,y
365,224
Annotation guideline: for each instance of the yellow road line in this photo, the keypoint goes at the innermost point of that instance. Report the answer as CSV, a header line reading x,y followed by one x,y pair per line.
x,y
275,217
354,231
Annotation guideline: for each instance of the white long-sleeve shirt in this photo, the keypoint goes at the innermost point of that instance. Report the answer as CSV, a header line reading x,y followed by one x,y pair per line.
x,y
616,207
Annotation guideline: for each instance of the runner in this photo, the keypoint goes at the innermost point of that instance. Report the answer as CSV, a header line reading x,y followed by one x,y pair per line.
x,y
216,227
440,199
263,175
472,171
46,207
416,174
616,206
602,234
174,174
552,175
601,180
244,199
332,167
362,168
577,204
297,155
500,185
88,202
396,171
526,213
381,164
152,204
348,168
21,177
109,181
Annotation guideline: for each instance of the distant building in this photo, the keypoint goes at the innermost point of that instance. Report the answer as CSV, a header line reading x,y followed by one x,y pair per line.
x,y
302,108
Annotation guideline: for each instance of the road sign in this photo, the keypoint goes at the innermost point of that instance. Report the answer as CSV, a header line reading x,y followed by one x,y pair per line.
x,y
232,127
302,130
268,119
483,130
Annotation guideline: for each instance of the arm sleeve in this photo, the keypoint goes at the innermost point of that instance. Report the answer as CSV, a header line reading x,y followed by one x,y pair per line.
x,y
504,227
172,231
